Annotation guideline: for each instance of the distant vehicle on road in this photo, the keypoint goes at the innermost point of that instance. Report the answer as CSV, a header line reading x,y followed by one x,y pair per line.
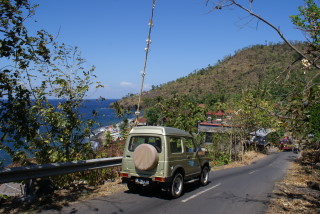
x,y
285,144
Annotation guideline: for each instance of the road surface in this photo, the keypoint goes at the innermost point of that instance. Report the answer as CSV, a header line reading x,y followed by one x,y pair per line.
x,y
242,190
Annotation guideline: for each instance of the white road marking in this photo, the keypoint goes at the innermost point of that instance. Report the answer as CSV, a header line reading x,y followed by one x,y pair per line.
x,y
252,172
199,193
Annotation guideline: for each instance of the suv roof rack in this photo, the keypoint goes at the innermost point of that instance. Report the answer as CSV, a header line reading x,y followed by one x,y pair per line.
x,y
159,130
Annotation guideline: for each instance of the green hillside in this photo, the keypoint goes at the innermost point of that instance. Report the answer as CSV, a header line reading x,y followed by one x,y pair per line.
x,y
247,68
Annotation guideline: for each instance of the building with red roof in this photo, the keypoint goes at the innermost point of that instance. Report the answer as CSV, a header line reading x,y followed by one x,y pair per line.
x,y
210,113
142,121
217,122
219,113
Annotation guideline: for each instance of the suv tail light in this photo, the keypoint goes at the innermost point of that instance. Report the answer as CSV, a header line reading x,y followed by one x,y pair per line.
x,y
160,179
126,175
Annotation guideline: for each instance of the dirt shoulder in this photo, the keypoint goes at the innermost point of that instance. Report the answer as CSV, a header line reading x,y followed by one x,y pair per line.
x,y
247,159
299,191
61,198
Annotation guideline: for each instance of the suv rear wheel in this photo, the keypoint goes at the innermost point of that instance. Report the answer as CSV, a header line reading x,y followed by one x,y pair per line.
x,y
176,186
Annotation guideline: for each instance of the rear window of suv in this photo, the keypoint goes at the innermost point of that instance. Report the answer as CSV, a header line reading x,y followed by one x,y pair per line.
x,y
175,144
135,141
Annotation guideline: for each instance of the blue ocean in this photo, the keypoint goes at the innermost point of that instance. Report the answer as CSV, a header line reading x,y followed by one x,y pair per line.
x,y
106,117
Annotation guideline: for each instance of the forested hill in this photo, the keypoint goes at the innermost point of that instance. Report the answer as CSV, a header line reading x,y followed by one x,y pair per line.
x,y
249,67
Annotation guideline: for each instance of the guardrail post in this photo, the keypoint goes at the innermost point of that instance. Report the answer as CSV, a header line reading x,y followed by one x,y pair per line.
x,y
38,187
28,191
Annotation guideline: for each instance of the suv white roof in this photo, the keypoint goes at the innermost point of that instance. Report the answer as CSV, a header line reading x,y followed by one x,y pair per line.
x,y
159,130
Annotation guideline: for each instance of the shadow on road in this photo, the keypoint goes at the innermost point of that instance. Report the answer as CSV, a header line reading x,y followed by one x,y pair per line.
x,y
156,192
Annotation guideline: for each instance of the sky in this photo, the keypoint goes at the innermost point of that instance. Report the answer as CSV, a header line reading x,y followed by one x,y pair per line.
x,y
187,36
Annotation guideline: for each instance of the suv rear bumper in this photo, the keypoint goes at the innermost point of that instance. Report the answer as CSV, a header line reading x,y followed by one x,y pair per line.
x,y
151,180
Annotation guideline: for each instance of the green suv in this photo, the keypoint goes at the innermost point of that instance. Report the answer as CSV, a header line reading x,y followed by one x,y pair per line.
x,y
164,156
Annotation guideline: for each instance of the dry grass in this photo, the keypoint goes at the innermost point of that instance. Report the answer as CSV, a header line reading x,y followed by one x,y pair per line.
x,y
233,74
62,198
248,158
108,188
298,192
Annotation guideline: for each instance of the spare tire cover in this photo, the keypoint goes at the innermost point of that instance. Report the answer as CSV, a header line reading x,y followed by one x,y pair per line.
x,y
145,157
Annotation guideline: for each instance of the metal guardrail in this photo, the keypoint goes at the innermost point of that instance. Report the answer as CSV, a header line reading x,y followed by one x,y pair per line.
x,y
51,169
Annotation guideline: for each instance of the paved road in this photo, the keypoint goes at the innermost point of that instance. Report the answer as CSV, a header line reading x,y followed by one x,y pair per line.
x,y
241,190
